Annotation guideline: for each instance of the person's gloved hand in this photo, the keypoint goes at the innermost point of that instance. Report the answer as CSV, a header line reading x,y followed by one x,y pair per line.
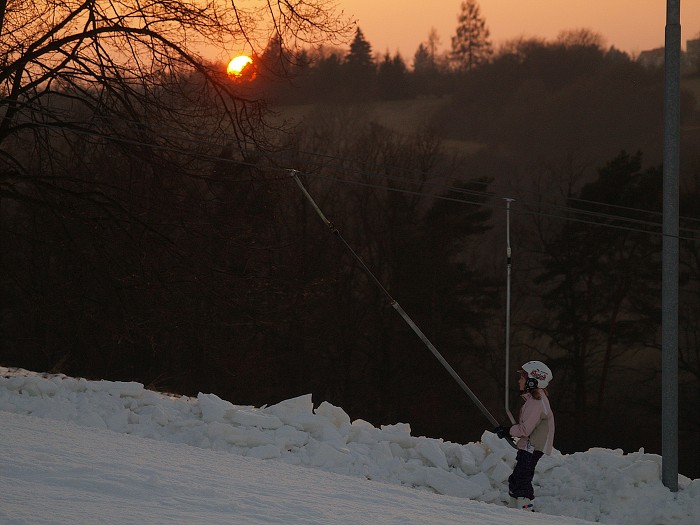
x,y
502,432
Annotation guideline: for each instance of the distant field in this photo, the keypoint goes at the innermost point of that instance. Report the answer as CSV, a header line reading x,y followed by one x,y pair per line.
x,y
401,116
404,115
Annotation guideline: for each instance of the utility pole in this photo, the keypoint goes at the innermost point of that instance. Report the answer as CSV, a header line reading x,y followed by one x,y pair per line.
x,y
670,255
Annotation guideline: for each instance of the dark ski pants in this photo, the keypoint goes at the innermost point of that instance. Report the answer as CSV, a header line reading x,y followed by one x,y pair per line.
x,y
520,481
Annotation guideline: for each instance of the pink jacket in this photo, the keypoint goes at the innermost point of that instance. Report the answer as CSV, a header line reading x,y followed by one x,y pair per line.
x,y
535,427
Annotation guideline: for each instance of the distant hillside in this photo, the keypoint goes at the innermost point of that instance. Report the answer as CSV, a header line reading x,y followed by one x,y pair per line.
x,y
400,116
522,116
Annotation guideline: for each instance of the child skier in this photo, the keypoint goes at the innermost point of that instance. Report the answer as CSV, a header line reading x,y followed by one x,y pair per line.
x,y
535,428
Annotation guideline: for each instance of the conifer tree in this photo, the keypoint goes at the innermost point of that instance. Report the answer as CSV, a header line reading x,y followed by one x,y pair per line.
x,y
422,61
360,55
360,70
471,46
425,59
391,77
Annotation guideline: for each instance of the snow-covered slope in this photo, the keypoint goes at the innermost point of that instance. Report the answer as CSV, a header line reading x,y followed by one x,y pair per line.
x,y
114,452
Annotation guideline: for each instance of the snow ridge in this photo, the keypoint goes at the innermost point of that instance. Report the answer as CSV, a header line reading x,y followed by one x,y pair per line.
x,y
599,485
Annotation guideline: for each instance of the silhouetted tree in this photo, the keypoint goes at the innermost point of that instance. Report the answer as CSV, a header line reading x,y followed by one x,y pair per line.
x,y
596,284
425,59
325,79
391,78
580,38
275,61
359,68
359,57
422,61
471,46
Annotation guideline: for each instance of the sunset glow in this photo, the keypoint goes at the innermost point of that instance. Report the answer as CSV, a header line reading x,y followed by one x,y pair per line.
x,y
238,66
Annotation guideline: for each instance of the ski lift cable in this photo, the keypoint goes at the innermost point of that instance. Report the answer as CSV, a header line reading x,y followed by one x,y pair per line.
x,y
537,213
567,209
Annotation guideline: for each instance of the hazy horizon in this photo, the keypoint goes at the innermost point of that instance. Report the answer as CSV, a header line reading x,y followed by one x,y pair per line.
x,y
629,25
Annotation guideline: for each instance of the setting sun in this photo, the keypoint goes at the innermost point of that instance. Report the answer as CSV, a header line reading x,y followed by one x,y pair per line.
x,y
238,66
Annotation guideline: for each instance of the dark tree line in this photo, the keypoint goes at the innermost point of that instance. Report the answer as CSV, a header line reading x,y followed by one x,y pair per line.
x,y
539,68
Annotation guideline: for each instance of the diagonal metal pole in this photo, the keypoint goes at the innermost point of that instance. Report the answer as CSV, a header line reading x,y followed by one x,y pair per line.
x,y
396,306
508,264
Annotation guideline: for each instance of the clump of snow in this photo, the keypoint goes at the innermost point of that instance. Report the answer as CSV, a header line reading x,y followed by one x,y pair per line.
x,y
607,486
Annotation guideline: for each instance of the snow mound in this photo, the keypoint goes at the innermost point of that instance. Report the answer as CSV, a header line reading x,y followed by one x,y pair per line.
x,y
599,485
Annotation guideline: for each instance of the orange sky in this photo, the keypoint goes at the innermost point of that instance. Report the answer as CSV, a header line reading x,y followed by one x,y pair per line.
x,y
629,25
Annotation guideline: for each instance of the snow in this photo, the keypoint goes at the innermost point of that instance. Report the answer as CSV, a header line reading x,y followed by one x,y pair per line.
x,y
78,451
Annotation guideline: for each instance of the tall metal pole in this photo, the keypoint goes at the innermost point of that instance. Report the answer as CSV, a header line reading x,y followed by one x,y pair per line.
x,y
670,248
508,264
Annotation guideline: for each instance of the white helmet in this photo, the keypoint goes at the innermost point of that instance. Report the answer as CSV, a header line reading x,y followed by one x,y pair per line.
x,y
538,374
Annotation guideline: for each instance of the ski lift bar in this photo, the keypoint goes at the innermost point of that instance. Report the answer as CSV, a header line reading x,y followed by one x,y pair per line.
x,y
397,307
508,263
